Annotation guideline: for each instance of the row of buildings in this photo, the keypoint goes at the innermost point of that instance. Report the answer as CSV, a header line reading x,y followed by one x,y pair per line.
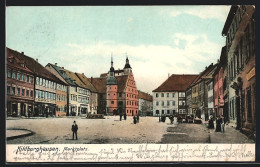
x,y
34,90
226,88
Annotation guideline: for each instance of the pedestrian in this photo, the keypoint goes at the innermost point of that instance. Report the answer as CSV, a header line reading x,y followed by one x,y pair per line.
x,y
120,117
218,124
137,118
124,116
171,118
222,121
74,129
211,123
134,119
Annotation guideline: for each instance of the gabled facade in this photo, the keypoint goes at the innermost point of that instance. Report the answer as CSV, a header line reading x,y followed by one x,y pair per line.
x,y
93,97
199,94
20,86
117,91
170,97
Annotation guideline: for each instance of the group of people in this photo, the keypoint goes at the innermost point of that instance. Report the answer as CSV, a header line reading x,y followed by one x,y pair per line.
x,y
163,118
120,116
220,123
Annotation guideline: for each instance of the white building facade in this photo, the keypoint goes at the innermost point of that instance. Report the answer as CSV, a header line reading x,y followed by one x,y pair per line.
x,y
165,103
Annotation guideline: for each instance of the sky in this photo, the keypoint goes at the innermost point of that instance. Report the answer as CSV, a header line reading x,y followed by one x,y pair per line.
x,y
158,40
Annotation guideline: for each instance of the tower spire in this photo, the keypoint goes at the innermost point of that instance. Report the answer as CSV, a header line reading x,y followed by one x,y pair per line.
x,y
111,60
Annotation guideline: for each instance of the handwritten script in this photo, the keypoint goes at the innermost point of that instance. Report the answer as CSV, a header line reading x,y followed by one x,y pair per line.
x,y
130,152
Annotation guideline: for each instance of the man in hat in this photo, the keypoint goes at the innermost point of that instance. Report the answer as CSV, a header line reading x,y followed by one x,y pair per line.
x,y
74,129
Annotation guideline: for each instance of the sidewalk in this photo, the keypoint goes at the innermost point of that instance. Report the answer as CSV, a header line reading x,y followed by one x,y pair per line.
x,y
16,133
231,135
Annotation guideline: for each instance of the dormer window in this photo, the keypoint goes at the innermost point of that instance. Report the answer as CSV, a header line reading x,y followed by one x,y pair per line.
x,y
11,59
22,65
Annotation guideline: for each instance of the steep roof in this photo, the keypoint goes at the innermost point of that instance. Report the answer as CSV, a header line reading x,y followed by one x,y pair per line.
x,y
204,73
121,82
176,82
35,66
74,77
100,83
63,74
145,96
16,64
86,81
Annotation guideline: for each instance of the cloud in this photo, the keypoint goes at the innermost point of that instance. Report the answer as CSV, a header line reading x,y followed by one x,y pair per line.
x,y
204,12
151,64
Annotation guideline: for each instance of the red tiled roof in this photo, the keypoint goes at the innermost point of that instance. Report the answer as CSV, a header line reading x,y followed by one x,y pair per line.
x,y
86,81
100,83
35,66
121,82
176,82
16,62
145,96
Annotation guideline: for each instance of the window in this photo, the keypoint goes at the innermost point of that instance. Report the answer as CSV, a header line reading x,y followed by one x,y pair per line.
x,y
8,89
244,9
18,76
162,111
157,103
120,94
8,73
27,92
40,81
241,53
112,102
157,111
37,81
167,94
173,94
13,75
247,44
157,95
162,103
248,103
43,82
36,93
13,91
162,95
168,103
168,111
173,103
18,92
23,92
31,93
25,78
31,79
22,77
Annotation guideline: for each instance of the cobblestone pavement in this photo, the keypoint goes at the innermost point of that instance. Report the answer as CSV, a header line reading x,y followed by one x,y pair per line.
x,y
109,130
113,131
199,133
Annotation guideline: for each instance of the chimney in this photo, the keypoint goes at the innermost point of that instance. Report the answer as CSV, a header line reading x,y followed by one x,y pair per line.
x,y
36,59
82,73
91,79
168,75
55,64
62,67
22,53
